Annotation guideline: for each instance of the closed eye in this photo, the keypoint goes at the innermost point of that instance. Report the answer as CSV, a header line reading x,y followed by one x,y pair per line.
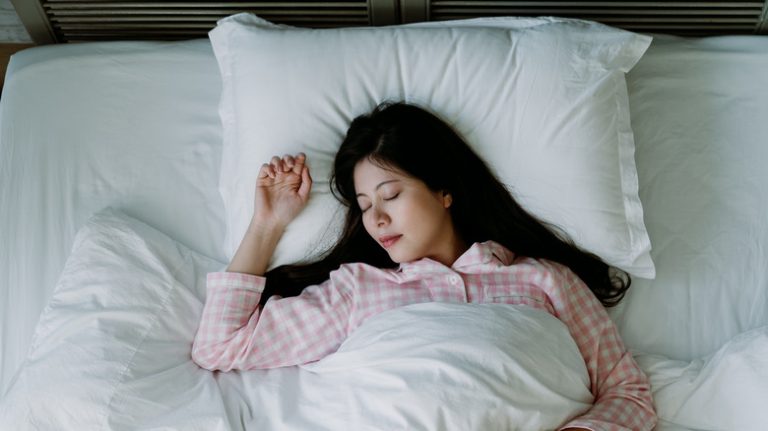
x,y
363,210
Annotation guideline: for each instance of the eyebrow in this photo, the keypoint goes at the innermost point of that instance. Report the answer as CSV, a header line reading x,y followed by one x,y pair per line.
x,y
377,187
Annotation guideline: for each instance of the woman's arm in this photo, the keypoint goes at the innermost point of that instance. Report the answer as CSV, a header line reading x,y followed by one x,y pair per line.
x,y
282,191
622,391
235,333
233,327
256,249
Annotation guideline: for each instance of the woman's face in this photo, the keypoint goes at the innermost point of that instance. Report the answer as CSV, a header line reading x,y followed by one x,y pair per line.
x,y
404,216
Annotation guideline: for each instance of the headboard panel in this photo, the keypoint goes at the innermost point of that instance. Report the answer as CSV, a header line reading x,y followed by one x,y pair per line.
x,y
51,21
674,17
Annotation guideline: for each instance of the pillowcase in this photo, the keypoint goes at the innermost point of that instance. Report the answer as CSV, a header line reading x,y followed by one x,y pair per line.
x,y
542,101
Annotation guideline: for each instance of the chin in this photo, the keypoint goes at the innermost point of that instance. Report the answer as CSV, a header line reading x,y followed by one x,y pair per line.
x,y
401,257
395,258
401,253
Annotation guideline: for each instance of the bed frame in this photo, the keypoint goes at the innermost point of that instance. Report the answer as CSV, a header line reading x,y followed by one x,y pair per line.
x,y
61,21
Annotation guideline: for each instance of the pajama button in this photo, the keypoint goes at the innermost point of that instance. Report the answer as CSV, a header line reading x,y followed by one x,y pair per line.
x,y
454,279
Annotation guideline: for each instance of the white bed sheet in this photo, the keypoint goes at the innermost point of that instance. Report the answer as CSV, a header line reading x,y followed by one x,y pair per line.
x,y
153,149
699,115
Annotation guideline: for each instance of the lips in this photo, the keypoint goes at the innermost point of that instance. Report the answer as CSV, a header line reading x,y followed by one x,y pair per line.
x,y
389,240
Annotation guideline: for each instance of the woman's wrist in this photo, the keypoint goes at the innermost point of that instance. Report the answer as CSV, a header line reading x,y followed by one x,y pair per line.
x,y
266,225
256,249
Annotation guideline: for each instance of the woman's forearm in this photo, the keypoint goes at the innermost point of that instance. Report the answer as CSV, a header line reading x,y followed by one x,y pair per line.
x,y
282,191
256,249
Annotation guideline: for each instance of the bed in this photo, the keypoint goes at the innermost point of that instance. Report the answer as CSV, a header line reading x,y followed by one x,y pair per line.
x,y
113,211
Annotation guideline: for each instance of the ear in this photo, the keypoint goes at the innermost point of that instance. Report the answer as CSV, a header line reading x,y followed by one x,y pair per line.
x,y
447,200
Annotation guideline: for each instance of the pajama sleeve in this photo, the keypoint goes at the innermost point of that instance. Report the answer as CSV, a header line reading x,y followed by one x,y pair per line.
x,y
622,391
236,333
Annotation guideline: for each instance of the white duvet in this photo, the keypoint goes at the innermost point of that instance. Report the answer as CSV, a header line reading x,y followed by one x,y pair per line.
x,y
112,351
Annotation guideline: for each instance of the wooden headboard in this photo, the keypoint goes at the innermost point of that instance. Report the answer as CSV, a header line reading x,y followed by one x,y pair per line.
x,y
61,21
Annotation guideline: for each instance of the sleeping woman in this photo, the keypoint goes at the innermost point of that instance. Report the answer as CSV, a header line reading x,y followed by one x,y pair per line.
x,y
426,221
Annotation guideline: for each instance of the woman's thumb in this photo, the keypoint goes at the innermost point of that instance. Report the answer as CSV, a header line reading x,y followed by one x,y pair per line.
x,y
306,182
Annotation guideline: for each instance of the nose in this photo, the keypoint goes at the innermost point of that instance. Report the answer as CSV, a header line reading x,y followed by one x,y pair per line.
x,y
381,218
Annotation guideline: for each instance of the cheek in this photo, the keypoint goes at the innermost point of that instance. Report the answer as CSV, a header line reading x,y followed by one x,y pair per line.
x,y
370,227
367,223
422,217
428,209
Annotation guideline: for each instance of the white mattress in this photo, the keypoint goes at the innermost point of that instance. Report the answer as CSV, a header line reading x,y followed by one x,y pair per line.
x,y
135,126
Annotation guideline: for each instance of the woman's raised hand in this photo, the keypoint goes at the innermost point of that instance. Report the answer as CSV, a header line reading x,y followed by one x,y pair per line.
x,y
282,190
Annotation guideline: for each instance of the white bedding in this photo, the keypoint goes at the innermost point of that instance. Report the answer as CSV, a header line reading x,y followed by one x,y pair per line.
x,y
727,390
699,117
140,132
85,126
112,352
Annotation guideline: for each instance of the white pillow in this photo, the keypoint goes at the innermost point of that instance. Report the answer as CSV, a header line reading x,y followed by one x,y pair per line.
x,y
543,101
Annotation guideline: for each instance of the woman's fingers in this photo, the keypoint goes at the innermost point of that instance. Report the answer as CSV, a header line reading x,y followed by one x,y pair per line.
x,y
277,164
288,162
285,164
298,165
267,170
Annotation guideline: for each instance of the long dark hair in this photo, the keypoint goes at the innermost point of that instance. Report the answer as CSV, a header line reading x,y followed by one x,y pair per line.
x,y
420,144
